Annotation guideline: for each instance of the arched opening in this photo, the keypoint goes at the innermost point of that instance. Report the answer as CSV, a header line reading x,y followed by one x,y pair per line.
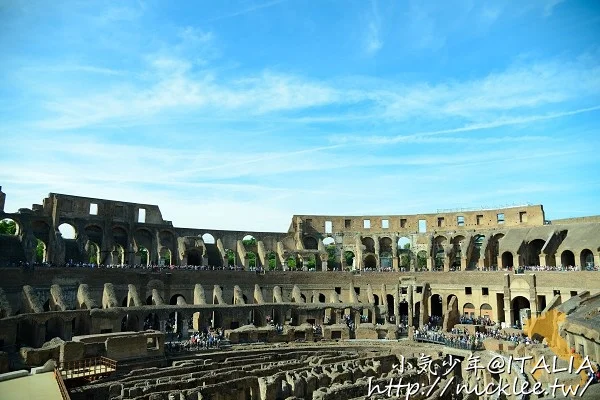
x,y
403,312
416,314
389,298
567,258
55,328
403,243
469,310
124,302
9,226
252,259
376,298
141,257
328,241
118,254
230,254
152,322
177,300
370,262
67,231
249,242
207,238
477,252
349,258
457,255
321,298
130,323
291,263
586,259
507,259
492,252
422,260
485,311
41,253
435,304
534,249
164,258
149,301
311,262
439,253
519,303
369,244
93,253
272,260
194,257
386,261
449,298
310,243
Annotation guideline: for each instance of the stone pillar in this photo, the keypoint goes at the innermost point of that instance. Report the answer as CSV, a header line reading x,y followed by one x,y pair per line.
x,y
324,265
463,263
163,324
2,199
409,299
557,261
446,263
395,263
542,261
499,262
597,260
480,263
430,263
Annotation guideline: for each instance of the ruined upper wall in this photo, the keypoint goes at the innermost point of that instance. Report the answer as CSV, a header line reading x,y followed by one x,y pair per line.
x,y
524,216
61,205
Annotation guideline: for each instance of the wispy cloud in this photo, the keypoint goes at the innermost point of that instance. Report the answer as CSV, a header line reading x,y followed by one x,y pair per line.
x,y
550,5
421,137
373,40
246,10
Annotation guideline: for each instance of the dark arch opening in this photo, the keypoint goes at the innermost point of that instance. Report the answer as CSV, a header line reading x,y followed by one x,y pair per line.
x,y
370,262
310,243
507,259
130,323
194,257
436,306
390,305
519,303
175,299
567,258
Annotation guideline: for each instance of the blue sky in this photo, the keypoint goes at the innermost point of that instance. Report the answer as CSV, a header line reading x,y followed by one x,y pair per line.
x,y
238,114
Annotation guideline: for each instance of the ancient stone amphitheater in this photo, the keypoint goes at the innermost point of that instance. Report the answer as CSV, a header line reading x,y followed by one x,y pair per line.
x,y
326,310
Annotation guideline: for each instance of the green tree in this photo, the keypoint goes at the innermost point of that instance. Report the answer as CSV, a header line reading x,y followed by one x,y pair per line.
x,y
39,251
331,252
272,261
291,263
230,257
312,263
251,259
349,256
422,260
8,227
249,242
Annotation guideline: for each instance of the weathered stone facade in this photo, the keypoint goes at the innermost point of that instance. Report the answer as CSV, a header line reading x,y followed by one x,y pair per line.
x,y
487,239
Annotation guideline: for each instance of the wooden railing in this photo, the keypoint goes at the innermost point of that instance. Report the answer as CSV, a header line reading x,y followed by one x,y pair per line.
x,y
88,367
61,385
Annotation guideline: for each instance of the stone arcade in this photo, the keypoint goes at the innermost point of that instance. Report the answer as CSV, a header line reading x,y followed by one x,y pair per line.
x,y
441,265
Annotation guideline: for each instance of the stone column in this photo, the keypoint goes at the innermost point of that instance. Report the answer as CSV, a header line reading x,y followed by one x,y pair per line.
x,y
557,261
499,262
324,265
463,264
597,260
542,261
430,263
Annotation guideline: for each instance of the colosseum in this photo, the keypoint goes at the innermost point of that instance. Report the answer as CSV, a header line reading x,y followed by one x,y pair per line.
x,y
106,299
